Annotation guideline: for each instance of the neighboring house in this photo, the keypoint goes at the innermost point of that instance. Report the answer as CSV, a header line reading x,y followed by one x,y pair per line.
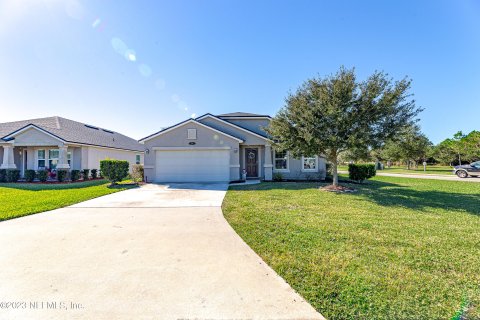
x,y
59,143
220,148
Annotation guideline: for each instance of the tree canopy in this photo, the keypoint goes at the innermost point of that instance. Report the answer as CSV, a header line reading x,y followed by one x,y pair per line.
x,y
337,113
460,148
410,145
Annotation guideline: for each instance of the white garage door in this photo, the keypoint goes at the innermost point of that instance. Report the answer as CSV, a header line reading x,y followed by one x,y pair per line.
x,y
192,166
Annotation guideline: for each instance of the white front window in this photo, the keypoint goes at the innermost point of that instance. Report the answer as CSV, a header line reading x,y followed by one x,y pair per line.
x,y
40,159
310,163
137,159
53,156
191,134
281,160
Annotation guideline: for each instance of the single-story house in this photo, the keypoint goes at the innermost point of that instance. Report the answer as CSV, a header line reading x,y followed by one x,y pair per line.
x,y
221,148
59,143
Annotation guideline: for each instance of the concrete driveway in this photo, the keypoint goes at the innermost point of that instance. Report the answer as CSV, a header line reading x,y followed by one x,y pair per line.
x,y
155,252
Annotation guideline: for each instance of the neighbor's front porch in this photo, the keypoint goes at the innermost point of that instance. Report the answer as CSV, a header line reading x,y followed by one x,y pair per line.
x,y
39,157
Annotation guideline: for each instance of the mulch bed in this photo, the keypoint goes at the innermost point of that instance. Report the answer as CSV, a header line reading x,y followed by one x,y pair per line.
x,y
341,189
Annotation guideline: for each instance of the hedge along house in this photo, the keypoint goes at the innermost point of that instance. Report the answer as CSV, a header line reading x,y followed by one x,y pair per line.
x,y
58,143
220,148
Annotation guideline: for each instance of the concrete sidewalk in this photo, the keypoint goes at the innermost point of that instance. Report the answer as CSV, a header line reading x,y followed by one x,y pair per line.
x,y
164,262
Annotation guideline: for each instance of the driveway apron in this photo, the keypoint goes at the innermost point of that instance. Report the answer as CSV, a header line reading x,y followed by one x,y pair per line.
x,y
154,252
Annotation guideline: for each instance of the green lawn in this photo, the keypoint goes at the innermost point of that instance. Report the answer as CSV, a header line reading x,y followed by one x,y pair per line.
x,y
19,199
442,170
399,248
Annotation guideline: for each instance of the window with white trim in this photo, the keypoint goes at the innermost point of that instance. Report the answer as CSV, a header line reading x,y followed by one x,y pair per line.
x,y
281,160
309,163
53,156
137,159
40,159
191,134
69,158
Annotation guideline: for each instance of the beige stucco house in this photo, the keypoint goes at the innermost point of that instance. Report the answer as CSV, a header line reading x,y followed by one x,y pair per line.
x,y
221,148
59,143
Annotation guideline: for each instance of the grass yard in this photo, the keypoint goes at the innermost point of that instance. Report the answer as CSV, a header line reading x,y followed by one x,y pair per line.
x,y
398,248
19,199
440,170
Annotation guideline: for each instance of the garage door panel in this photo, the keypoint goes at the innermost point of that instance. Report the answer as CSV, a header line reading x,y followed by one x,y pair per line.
x,y
191,166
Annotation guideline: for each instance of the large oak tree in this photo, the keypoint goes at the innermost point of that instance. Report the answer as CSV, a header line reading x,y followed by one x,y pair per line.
x,y
329,115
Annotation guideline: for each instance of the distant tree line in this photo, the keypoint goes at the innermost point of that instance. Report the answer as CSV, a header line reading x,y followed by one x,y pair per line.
x,y
411,147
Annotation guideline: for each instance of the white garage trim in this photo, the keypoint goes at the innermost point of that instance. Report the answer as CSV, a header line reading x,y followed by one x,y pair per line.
x,y
180,164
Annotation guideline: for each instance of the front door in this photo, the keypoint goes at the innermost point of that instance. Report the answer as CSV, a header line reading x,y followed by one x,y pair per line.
x,y
251,160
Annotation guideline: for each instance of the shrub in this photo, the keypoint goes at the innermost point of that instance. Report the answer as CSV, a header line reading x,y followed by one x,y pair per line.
x,y
42,175
62,175
13,175
52,174
114,170
94,173
137,173
75,175
85,174
3,175
30,175
361,172
277,176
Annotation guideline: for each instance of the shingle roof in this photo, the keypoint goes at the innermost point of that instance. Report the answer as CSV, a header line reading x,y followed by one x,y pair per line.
x,y
74,132
241,114
185,121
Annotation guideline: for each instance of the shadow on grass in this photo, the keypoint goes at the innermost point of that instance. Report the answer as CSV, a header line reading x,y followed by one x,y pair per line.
x,y
123,186
389,194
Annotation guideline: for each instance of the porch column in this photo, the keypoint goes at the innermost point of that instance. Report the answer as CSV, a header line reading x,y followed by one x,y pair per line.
x,y
62,158
8,162
268,166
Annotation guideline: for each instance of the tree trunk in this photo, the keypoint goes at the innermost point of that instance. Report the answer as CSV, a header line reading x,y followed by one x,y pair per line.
x,y
335,169
335,173
459,160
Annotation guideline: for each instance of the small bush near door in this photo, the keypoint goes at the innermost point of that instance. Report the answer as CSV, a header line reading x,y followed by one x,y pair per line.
x,y
93,173
30,175
137,173
42,175
75,175
3,175
114,170
277,176
13,175
85,174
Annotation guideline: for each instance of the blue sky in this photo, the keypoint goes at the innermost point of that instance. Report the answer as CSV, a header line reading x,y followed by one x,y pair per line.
x,y
137,66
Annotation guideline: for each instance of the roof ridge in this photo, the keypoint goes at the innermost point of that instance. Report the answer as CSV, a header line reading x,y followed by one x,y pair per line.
x,y
27,120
